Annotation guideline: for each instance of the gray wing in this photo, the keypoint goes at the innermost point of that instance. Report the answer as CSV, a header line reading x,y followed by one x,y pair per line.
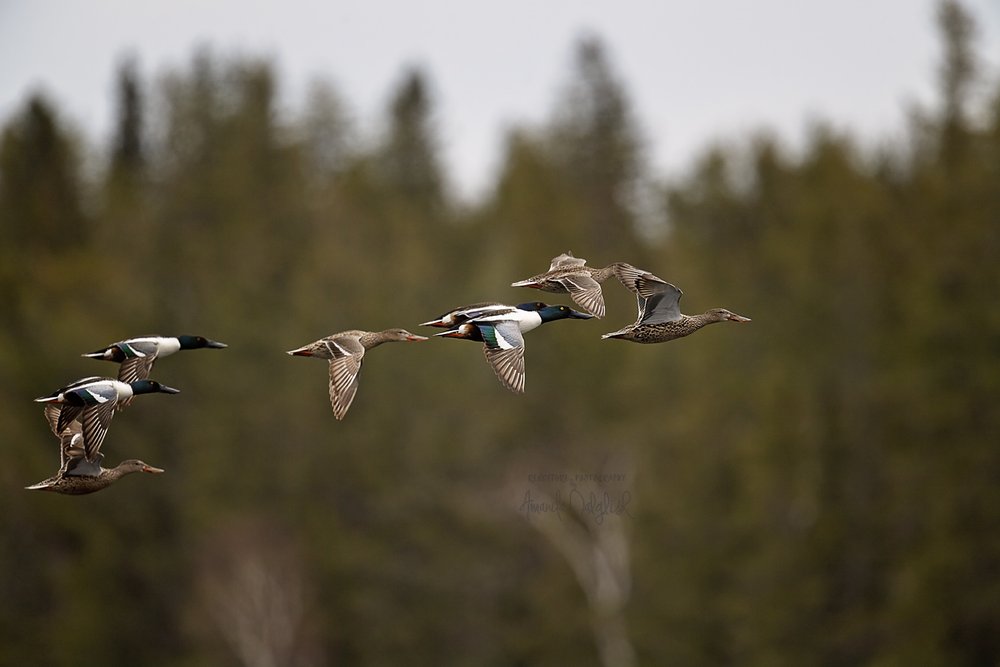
x,y
142,346
658,301
345,364
586,292
504,349
566,261
662,305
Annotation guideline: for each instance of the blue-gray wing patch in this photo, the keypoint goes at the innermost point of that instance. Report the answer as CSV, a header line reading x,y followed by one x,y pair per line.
x,y
662,305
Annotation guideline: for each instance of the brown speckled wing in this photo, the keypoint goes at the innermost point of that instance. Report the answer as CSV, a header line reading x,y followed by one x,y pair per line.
x,y
137,368
509,367
586,292
131,370
70,438
345,365
96,421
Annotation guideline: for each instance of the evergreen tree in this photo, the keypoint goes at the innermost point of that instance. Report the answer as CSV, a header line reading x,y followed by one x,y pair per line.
x,y
596,143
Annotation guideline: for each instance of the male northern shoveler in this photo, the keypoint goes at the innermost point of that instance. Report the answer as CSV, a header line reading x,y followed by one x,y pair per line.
x,y
346,351
660,318
458,316
137,355
502,335
92,401
571,274
80,469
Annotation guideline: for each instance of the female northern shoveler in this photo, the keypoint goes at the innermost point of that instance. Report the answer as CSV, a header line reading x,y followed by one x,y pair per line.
x,y
346,351
571,274
80,469
660,318
502,335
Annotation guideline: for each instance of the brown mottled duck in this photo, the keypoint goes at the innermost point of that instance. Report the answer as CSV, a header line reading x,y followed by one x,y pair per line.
x,y
346,351
569,274
660,318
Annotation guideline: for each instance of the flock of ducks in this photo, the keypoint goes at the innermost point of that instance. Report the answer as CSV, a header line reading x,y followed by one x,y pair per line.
x,y
80,413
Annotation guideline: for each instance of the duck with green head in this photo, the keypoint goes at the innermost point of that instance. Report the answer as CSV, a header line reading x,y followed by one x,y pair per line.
x,y
138,355
503,336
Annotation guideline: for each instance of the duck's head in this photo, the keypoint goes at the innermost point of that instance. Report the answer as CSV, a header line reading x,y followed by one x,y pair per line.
x,y
721,315
402,335
197,342
550,313
135,465
152,387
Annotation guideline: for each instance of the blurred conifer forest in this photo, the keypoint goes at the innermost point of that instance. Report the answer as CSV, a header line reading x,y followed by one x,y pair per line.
x,y
820,487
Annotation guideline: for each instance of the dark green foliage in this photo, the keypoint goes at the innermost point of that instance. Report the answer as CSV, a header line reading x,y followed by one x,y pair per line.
x,y
818,487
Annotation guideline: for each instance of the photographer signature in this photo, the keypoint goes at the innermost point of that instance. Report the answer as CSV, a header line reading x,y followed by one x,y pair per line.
x,y
595,504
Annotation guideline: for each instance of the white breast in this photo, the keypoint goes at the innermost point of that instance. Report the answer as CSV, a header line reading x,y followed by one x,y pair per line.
x,y
167,347
526,319
123,389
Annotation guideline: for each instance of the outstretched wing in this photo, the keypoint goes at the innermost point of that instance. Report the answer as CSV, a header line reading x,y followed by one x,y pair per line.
x,y
140,355
586,292
504,350
136,368
65,416
96,421
662,305
658,301
52,412
345,364
70,437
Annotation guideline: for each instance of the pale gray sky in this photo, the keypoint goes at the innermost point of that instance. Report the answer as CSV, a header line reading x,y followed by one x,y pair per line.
x,y
694,71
